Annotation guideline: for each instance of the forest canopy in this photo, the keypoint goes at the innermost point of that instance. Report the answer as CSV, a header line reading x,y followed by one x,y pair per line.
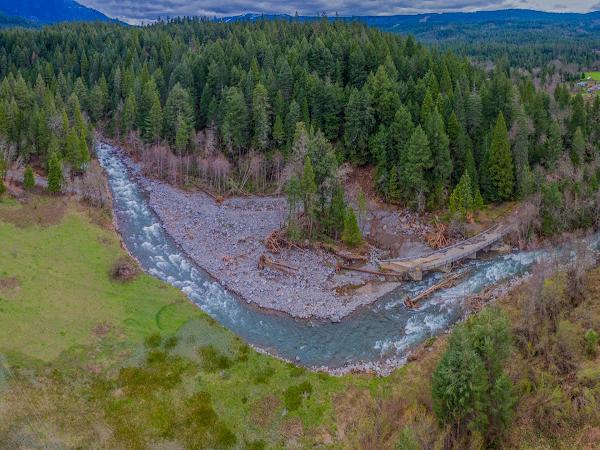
x,y
226,100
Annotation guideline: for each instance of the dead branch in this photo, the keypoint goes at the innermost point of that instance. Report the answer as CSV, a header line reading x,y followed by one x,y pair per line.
x,y
264,261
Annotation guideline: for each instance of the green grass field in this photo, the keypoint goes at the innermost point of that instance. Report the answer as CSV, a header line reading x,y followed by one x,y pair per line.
x,y
595,75
87,362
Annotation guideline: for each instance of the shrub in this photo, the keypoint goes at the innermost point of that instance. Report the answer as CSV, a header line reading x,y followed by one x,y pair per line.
x,y
294,395
124,269
153,341
28,178
213,360
591,343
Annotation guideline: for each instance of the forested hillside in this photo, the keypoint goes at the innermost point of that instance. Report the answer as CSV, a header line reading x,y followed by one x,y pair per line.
x,y
245,106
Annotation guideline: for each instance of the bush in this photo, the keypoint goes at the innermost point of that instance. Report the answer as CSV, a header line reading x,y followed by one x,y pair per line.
x,y
213,360
28,178
294,395
153,341
124,269
591,343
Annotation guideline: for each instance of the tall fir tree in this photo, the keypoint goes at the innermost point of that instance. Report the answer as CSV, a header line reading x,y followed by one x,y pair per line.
x,y
235,121
400,133
261,120
416,161
351,234
441,170
499,166
578,147
358,126
55,176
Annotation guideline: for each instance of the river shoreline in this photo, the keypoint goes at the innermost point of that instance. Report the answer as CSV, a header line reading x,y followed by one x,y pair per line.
x,y
374,339
227,239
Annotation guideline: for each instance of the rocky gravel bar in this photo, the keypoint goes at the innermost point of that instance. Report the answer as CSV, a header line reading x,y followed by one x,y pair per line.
x,y
227,239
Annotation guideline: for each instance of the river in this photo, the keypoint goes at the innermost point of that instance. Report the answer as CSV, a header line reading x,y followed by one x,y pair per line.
x,y
378,336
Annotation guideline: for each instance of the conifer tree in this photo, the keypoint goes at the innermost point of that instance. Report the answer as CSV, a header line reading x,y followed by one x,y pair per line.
x,y
154,122
260,117
28,178
182,136
412,171
461,200
400,133
308,187
578,147
55,178
456,145
520,153
554,145
235,121
440,154
427,108
279,134
358,126
178,109
129,114
500,165
337,212
351,235
294,116
393,193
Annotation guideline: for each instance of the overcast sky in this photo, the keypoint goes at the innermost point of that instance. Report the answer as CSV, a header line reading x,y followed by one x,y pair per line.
x,y
135,11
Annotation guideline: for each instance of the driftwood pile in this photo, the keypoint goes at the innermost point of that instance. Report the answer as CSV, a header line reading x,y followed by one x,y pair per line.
x,y
439,238
277,240
264,261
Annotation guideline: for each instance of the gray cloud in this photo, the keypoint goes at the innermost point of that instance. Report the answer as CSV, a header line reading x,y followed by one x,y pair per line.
x,y
138,10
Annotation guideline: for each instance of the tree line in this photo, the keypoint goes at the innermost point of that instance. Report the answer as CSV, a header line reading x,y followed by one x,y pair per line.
x,y
222,102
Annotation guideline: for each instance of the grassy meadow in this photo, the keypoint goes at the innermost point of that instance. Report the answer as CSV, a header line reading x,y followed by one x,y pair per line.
x,y
88,362
594,75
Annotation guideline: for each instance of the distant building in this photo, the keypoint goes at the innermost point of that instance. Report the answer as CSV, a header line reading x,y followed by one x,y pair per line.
x,y
593,89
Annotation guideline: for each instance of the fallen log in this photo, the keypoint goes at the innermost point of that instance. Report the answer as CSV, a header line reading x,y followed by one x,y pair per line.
x,y
346,255
265,261
445,283
370,272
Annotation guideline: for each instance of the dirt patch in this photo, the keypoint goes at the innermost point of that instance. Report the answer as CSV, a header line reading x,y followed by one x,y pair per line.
x,y
265,410
101,330
39,210
292,429
350,407
9,285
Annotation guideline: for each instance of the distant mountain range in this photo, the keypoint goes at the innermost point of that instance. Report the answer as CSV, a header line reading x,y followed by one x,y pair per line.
x,y
42,12
432,19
